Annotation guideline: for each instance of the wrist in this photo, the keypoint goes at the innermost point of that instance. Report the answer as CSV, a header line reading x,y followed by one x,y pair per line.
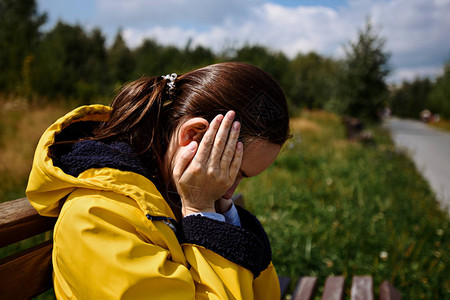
x,y
192,210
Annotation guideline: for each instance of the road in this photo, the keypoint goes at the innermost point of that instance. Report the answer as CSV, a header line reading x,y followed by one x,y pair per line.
x,y
430,150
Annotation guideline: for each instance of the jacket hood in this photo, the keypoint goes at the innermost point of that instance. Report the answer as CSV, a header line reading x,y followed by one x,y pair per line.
x,y
88,164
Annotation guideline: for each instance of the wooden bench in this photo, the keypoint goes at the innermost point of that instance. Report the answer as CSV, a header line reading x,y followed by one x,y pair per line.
x,y
361,289
28,273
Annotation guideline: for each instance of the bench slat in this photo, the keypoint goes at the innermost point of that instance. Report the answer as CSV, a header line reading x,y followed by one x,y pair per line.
x,y
305,288
14,210
28,273
284,285
389,292
362,288
334,288
20,221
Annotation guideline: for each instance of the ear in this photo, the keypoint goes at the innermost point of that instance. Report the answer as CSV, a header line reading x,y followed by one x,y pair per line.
x,y
192,130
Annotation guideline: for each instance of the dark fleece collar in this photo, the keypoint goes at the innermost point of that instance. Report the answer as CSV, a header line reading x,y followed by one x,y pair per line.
x,y
89,154
247,246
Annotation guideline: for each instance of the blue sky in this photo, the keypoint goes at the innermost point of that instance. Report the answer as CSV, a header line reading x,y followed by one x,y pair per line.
x,y
416,31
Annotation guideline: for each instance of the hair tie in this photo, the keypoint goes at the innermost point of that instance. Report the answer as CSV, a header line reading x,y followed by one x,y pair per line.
x,y
171,78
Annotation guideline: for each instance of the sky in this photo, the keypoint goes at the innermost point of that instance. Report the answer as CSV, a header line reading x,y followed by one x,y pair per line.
x,y
417,32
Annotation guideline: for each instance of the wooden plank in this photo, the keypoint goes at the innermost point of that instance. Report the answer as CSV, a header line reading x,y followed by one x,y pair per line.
x,y
284,285
389,292
19,220
334,288
362,288
305,288
15,210
26,274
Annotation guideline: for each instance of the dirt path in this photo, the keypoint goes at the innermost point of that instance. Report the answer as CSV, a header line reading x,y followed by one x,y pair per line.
x,y
430,150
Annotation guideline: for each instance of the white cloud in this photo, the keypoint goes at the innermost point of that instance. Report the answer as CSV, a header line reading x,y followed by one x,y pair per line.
x,y
297,29
416,30
410,74
288,29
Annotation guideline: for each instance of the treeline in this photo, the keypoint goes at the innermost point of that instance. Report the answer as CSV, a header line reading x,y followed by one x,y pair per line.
x,y
411,97
68,62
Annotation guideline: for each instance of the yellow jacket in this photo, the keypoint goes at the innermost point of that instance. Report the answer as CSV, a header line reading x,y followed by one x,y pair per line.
x,y
116,237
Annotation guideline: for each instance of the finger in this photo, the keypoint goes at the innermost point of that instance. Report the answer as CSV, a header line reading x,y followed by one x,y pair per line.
x,y
185,157
221,138
204,149
237,160
230,148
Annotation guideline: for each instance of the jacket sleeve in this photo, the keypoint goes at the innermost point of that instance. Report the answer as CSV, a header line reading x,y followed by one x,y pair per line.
x,y
101,251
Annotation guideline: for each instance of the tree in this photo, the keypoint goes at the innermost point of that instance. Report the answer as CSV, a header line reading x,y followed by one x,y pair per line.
x,y
198,57
313,80
362,88
96,79
153,59
440,94
411,98
274,63
121,61
71,63
19,34
147,57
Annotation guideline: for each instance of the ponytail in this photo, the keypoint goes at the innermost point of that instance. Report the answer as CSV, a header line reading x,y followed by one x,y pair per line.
x,y
136,118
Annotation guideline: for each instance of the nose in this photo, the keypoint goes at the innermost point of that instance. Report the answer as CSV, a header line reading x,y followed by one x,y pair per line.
x,y
233,188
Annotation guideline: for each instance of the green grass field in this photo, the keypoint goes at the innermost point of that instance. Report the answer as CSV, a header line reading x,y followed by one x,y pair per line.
x,y
329,206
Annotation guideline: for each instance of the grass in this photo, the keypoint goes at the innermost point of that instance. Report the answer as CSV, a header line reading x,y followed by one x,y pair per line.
x,y
329,206
336,207
21,125
442,124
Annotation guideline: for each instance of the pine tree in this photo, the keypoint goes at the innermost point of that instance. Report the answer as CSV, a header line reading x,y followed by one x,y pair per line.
x,y
363,89
121,61
440,94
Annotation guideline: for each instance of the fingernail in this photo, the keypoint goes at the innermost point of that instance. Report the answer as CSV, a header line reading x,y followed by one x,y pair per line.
x,y
239,146
192,145
231,114
236,125
219,118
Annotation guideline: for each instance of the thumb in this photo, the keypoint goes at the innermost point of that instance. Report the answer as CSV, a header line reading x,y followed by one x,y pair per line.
x,y
184,158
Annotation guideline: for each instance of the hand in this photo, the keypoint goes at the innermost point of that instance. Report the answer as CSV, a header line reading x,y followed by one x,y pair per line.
x,y
203,175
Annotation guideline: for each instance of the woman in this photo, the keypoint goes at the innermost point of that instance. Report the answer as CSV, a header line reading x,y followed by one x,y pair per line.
x,y
142,188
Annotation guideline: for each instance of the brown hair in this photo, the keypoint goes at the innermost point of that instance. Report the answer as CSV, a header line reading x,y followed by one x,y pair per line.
x,y
145,113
